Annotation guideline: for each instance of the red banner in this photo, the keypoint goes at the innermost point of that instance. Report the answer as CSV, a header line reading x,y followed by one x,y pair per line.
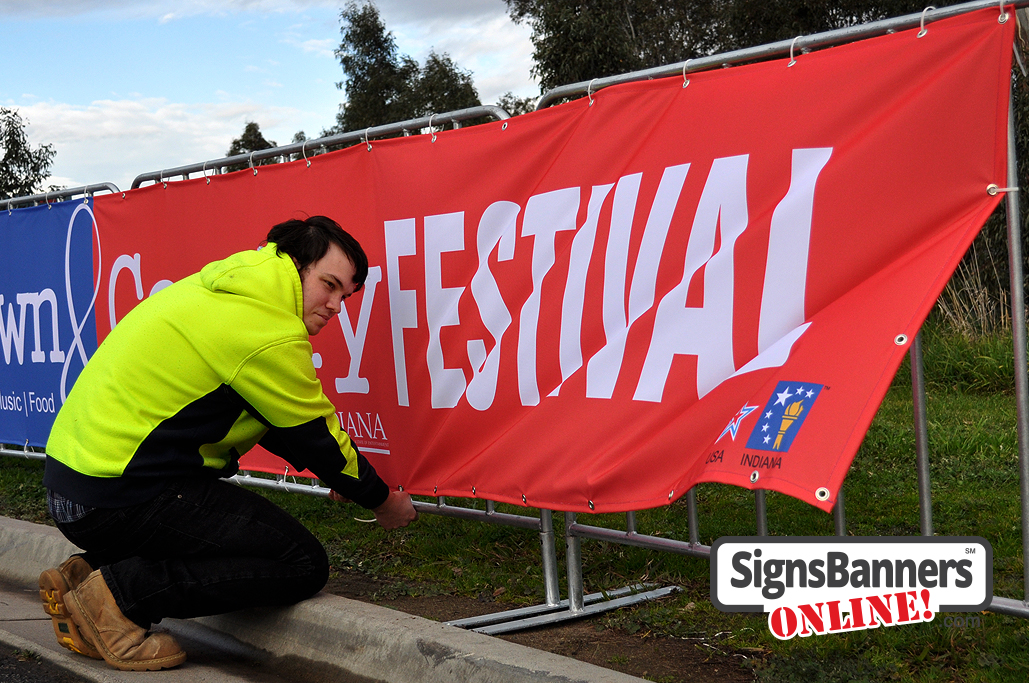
x,y
599,305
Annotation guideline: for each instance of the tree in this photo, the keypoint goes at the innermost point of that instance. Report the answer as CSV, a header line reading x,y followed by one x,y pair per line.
x,y
758,22
514,105
383,86
22,168
252,140
579,40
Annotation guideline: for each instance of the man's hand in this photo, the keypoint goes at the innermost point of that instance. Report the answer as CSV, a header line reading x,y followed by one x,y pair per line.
x,y
338,498
396,512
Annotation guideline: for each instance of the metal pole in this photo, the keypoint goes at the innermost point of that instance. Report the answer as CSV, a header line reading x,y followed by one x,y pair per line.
x,y
925,496
1018,333
761,509
839,515
692,517
547,541
573,558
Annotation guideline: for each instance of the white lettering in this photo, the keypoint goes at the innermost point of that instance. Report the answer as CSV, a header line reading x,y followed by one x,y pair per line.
x,y
403,303
545,215
570,345
12,333
696,318
353,383
496,230
35,300
782,299
604,367
705,331
366,426
443,233
131,264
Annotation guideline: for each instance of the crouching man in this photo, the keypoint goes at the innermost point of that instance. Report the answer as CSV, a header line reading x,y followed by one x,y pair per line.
x,y
186,383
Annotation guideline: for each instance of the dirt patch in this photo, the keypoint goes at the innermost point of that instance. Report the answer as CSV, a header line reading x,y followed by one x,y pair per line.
x,y
25,666
661,659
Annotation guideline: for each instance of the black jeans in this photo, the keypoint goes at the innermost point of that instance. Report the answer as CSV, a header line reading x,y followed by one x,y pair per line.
x,y
201,547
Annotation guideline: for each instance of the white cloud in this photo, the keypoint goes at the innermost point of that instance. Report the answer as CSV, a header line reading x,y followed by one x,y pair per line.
x,y
116,140
103,134
496,51
324,47
160,9
403,11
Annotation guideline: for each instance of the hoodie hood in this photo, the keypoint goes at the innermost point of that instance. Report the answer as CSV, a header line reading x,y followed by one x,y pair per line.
x,y
252,274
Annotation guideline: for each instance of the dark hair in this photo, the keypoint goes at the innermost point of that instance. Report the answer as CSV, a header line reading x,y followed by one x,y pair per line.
x,y
308,241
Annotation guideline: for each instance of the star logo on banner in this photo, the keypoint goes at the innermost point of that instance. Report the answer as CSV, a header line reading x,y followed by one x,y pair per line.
x,y
734,423
782,417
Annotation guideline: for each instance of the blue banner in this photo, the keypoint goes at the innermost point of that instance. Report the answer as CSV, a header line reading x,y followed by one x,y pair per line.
x,y
47,318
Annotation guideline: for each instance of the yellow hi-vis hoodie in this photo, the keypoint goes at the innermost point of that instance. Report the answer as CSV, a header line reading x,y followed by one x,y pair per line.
x,y
194,377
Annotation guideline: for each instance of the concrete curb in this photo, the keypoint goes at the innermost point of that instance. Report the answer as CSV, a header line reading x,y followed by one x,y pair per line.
x,y
69,664
366,640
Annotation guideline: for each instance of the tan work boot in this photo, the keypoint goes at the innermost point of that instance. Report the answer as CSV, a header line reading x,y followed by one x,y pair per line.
x,y
54,583
121,642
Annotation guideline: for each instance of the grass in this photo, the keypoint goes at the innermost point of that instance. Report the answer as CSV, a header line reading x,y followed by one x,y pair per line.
x,y
974,478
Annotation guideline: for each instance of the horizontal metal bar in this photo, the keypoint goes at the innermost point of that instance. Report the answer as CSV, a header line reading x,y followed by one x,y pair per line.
x,y
776,50
597,607
442,509
535,610
639,540
57,195
279,484
1009,606
22,453
311,146
493,517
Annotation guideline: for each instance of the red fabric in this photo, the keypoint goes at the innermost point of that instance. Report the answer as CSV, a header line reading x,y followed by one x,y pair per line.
x,y
881,150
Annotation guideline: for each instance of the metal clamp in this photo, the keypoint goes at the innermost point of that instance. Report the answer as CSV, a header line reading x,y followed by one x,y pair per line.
x,y
685,81
589,92
366,141
792,45
252,163
1003,18
433,132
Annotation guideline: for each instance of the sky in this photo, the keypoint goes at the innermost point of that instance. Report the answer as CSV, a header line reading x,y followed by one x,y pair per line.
x,y
124,87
